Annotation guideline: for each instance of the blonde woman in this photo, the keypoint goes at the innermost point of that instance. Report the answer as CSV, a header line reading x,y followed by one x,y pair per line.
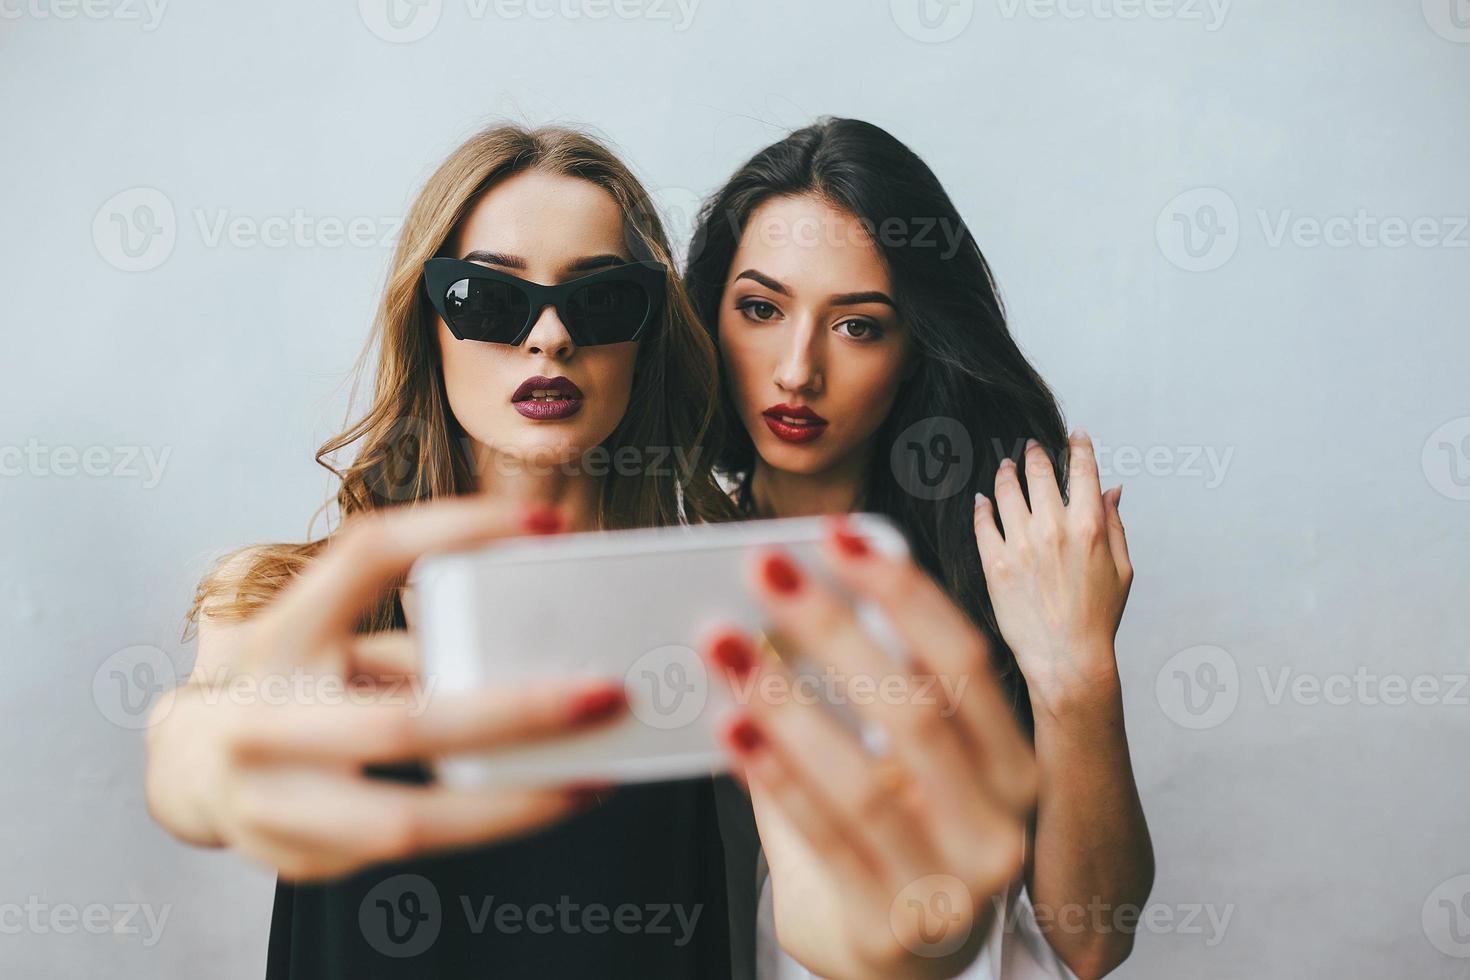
x,y
305,788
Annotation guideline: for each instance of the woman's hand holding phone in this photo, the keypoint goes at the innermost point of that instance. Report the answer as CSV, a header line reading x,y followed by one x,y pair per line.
x,y
281,778
889,865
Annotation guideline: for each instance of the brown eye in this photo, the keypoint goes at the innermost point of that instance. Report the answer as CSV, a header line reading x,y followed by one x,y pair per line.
x,y
859,329
758,310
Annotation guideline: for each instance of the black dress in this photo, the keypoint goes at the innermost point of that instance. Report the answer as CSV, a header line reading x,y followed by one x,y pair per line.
x,y
635,887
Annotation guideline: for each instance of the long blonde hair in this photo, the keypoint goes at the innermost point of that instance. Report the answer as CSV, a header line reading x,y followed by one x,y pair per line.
x,y
411,447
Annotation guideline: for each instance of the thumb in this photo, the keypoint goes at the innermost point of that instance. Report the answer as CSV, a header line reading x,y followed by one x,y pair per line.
x,y
1117,538
371,551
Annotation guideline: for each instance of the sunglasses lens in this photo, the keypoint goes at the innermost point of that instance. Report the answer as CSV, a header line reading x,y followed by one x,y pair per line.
x,y
483,309
608,312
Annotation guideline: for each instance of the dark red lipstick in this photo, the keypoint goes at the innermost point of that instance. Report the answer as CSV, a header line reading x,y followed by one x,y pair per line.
x,y
547,399
794,423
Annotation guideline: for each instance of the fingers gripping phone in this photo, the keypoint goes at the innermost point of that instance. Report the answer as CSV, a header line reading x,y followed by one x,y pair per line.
x,y
634,606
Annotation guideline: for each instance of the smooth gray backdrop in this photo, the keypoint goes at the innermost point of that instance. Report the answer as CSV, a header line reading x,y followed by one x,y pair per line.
x,y
1232,236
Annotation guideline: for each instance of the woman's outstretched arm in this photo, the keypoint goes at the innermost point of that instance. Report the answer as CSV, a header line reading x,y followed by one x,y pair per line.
x,y
280,778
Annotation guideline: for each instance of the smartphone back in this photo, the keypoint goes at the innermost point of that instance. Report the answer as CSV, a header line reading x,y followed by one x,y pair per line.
x,y
632,606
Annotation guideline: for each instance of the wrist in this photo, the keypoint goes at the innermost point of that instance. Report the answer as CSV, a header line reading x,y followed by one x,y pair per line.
x,y
1070,690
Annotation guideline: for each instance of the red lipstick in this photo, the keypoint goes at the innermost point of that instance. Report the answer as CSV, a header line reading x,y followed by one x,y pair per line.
x,y
547,399
794,423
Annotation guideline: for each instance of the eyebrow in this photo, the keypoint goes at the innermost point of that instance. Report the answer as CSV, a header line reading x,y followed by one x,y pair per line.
x,y
584,264
764,280
842,299
596,262
857,299
496,258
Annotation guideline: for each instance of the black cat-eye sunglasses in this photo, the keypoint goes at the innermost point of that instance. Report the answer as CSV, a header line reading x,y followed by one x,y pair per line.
x,y
606,307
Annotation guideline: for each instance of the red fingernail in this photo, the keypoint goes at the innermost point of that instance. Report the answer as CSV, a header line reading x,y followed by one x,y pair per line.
x,y
850,543
745,737
733,654
543,519
594,706
780,575
583,795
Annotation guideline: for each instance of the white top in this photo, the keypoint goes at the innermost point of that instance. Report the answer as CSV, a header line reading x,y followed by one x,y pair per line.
x,y
1014,950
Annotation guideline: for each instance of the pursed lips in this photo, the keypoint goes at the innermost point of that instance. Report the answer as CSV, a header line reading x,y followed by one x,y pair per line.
x,y
547,399
794,423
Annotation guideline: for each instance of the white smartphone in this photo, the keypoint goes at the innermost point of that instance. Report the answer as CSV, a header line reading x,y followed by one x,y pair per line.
x,y
633,606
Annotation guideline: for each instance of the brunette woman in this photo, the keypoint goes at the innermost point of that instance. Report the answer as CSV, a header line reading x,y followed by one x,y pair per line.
x,y
869,366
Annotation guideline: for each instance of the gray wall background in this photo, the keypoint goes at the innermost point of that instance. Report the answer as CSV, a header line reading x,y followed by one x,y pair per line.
x,y
1145,178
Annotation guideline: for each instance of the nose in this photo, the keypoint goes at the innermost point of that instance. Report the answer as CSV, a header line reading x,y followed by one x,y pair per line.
x,y
549,336
800,368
